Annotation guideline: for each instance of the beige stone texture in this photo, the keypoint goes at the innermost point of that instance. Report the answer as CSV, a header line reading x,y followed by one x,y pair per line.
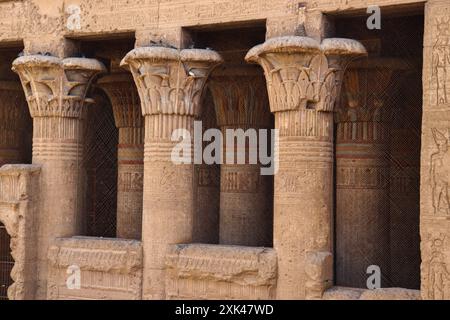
x,y
124,98
199,271
110,269
303,80
345,293
434,210
241,103
19,209
55,90
170,84
167,205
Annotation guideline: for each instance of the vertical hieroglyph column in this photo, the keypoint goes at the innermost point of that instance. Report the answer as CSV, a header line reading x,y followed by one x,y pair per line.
x,y
303,81
13,123
362,171
170,83
128,118
435,155
241,103
56,93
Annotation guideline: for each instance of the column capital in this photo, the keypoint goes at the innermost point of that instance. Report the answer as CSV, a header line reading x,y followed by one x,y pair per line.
x,y
170,81
302,73
56,87
240,97
366,89
124,97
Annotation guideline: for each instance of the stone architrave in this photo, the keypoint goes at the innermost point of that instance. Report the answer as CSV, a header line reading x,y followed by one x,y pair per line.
x,y
128,118
303,80
170,83
363,136
55,90
14,123
241,103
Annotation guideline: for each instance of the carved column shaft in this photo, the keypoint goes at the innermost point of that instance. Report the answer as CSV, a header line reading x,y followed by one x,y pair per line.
x,y
170,84
13,123
124,98
363,172
303,80
56,93
241,102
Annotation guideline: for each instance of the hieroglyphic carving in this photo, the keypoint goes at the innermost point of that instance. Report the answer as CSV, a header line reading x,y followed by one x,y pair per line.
x,y
18,208
110,269
220,272
435,271
240,181
241,102
363,117
170,83
304,79
441,62
56,92
125,102
439,174
14,122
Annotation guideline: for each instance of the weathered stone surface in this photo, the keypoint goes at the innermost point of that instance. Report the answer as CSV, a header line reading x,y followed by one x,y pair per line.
x,y
56,90
109,268
170,84
390,294
124,98
345,293
245,210
220,272
363,137
19,212
304,71
303,87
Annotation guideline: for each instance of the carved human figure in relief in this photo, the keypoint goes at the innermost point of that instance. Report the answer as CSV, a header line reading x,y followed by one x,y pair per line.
x,y
440,162
438,275
441,60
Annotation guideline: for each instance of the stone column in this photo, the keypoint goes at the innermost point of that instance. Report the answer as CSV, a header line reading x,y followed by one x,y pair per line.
x,y
362,171
303,79
14,123
170,83
241,102
124,98
56,93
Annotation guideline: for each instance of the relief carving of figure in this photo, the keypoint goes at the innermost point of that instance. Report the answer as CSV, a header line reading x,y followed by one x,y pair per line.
x,y
441,60
438,275
440,162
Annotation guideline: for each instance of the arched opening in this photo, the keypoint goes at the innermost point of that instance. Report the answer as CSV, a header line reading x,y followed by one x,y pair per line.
x,y
6,262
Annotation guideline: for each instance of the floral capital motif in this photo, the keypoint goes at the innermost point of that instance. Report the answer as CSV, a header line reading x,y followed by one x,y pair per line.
x,y
301,73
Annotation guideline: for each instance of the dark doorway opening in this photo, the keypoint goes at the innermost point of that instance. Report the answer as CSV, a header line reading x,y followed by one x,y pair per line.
x,y
102,137
15,119
236,97
378,141
6,262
